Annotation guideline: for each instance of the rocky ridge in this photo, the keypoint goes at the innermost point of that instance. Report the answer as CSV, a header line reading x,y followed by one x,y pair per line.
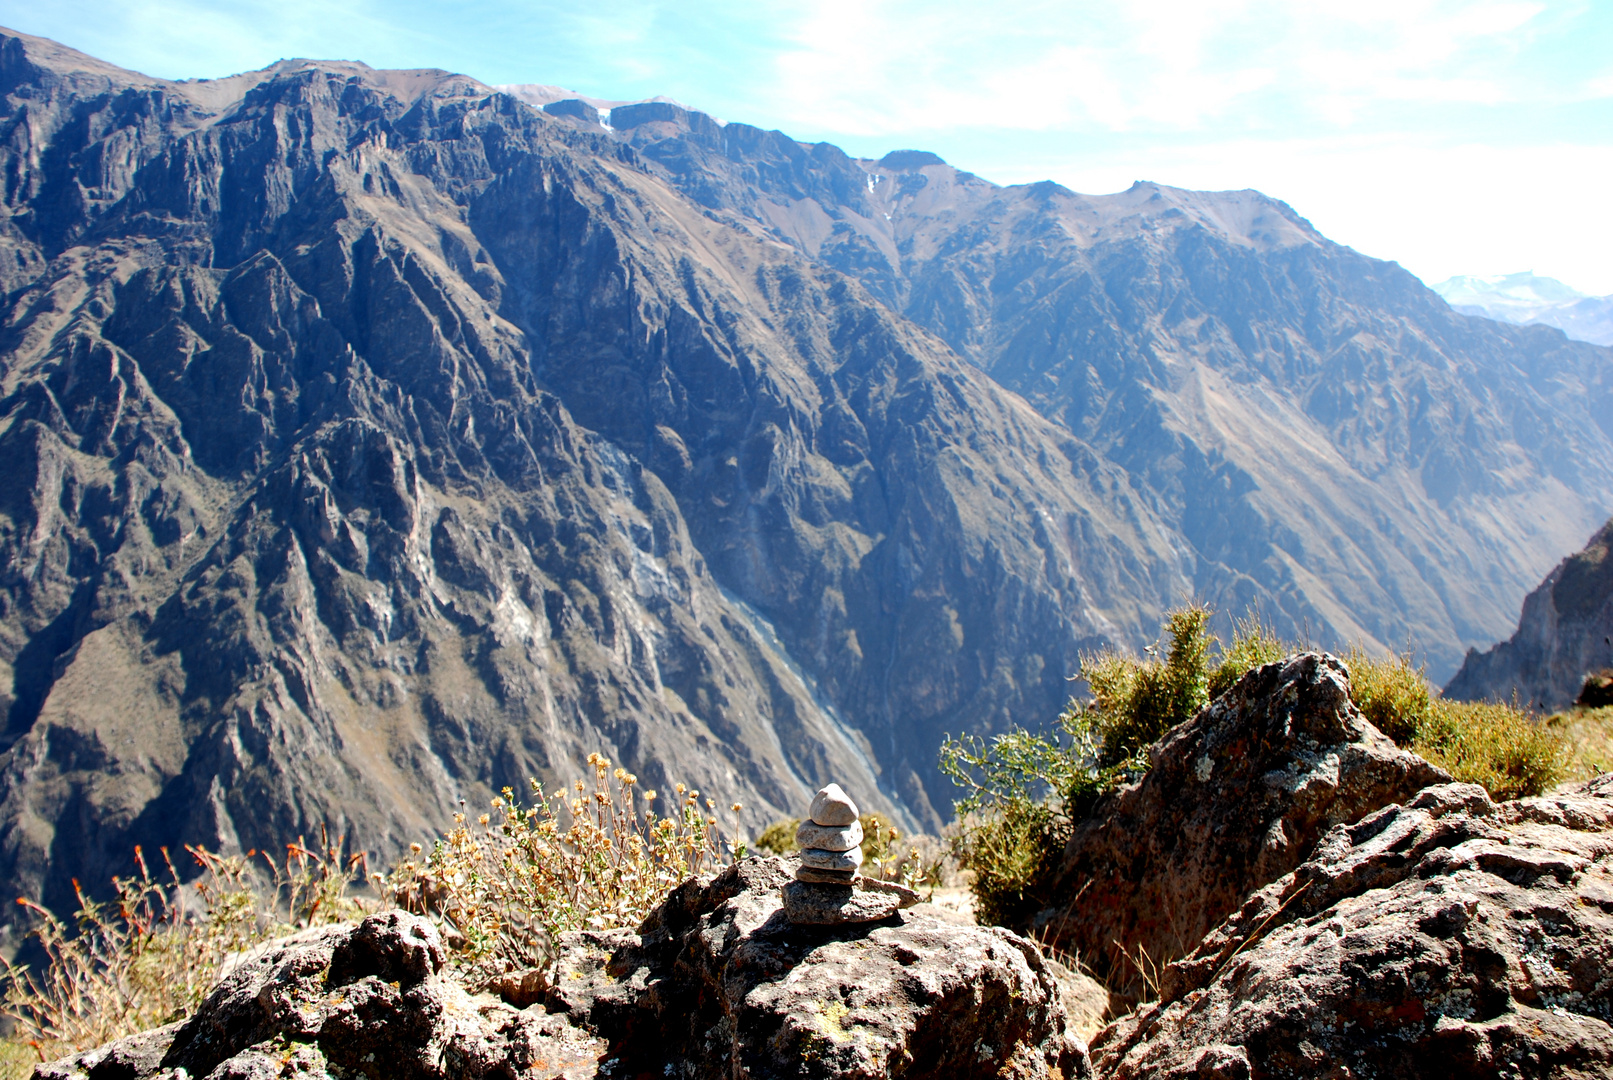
x,y
716,983
1332,441
1564,634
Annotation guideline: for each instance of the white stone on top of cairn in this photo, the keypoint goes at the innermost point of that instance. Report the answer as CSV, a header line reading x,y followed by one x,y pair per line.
x,y
833,807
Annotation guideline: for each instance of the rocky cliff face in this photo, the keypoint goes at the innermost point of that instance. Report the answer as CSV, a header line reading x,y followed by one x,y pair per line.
x,y
375,440
1562,636
1332,442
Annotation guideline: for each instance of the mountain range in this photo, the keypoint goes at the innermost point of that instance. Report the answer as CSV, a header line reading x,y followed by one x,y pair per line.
x,y
1529,298
377,439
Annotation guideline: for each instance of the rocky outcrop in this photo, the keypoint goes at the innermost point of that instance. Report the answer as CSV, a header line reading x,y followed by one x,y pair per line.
x,y
1564,634
716,984
1446,937
1235,798
719,983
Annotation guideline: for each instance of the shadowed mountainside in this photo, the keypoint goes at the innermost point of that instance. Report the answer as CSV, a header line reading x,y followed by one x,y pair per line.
x,y
376,441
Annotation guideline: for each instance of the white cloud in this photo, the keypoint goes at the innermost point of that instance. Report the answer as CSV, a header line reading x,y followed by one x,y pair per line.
x,y
1168,65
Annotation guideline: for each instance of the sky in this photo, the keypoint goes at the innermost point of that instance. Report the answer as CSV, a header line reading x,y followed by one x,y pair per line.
x,y
1452,136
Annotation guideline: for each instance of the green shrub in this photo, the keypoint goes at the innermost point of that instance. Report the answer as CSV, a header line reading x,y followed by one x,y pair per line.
x,y
1135,702
779,837
1501,747
1254,644
1391,693
1497,745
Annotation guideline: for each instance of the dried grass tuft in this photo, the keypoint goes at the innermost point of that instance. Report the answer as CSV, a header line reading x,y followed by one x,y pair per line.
x,y
150,956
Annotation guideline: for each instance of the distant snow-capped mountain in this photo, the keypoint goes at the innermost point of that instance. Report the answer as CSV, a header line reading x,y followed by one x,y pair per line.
x,y
1530,298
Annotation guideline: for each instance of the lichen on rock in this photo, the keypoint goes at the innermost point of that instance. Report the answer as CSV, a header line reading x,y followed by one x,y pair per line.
x,y
1448,936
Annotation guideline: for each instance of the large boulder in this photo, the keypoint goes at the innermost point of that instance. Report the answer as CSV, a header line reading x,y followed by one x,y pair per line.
x,y
1449,937
1234,798
369,1000
717,983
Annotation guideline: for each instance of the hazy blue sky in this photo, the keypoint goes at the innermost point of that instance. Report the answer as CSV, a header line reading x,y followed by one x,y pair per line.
x,y
1455,136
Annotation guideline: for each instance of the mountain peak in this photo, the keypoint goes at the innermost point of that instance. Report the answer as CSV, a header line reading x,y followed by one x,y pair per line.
x,y
909,160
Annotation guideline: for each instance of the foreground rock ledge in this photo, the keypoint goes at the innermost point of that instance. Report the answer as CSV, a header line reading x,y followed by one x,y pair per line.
x,y
1235,798
1450,937
717,984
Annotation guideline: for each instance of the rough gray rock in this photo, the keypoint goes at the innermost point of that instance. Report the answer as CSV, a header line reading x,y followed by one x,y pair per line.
x,y
820,859
1234,799
716,984
719,984
1449,937
342,1001
833,808
1564,634
811,903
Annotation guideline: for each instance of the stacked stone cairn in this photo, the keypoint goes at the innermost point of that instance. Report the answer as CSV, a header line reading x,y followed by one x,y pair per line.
x,y
827,889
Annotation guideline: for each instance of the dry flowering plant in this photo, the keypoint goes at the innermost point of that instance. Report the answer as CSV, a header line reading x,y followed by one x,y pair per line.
x,y
148,957
504,884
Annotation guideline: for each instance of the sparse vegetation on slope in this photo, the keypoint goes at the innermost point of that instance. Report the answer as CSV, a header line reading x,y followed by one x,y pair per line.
x,y
1026,791
500,887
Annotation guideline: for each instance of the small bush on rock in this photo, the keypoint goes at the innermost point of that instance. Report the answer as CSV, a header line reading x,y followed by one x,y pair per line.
x,y
1026,792
499,888
1497,745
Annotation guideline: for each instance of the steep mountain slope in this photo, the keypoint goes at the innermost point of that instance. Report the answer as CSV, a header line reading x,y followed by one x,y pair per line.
x,y
375,440
1564,634
1334,443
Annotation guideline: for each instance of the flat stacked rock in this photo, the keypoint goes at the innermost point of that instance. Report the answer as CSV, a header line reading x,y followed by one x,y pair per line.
x,y
827,889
